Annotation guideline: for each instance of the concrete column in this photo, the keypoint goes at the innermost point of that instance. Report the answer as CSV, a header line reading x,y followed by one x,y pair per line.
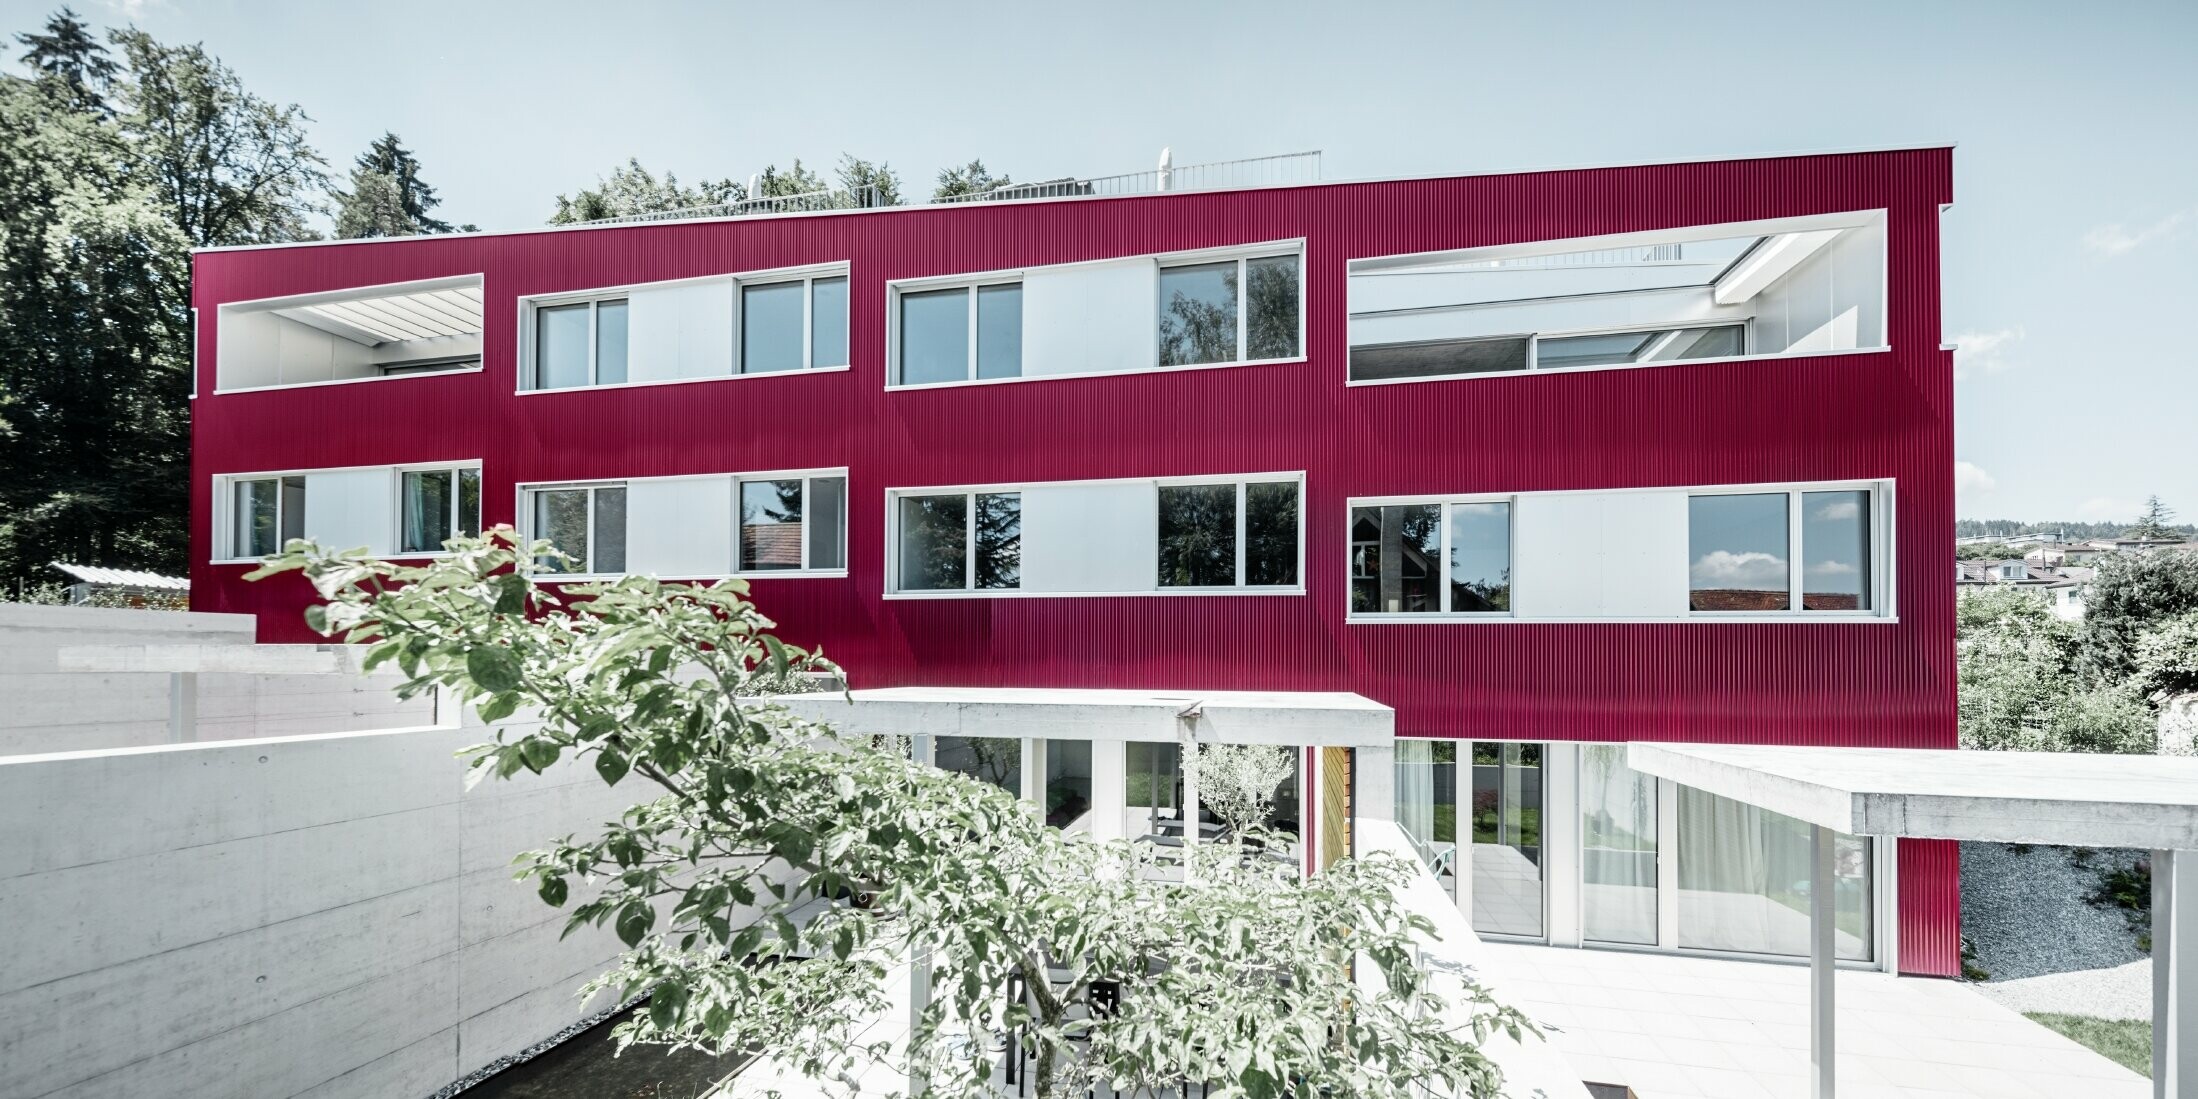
x,y
1187,740
2174,973
182,707
1109,788
1374,784
919,998
1561,842
1823,959
1034,775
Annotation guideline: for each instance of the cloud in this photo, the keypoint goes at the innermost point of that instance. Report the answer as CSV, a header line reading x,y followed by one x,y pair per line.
x,y
1752,570
1970,478
2102,509
2118,239
1839,509
1833,568
1979,353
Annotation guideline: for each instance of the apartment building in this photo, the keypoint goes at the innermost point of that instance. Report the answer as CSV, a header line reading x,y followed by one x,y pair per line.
x,y
1545,462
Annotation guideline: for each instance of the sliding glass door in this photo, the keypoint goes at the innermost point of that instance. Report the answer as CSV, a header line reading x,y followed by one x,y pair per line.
x,y
1744,881
1617,849
1498,841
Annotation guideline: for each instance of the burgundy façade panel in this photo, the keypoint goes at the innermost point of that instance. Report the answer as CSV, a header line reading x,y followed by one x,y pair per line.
x,y
1880,415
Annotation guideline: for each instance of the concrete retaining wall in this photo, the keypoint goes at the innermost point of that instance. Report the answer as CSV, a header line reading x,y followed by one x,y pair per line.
x,y
325,915
47,710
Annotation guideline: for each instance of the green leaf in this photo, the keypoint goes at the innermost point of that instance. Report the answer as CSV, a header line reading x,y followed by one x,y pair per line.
x,y
539,753
511,593
777,649
316,618
634,921
612,765
664,1005
493,667
553,892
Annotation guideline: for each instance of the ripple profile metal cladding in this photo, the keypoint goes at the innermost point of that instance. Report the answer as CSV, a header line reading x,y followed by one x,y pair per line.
x,y
1847,416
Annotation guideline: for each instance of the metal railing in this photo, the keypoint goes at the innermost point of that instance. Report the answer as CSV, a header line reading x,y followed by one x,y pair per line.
x,y
1263,171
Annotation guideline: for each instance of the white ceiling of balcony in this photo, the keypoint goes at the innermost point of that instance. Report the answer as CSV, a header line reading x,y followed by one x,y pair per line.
x,y
395,318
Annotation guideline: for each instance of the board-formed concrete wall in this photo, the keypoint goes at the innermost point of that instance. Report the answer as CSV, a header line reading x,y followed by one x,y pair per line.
x,y
48,710
323,915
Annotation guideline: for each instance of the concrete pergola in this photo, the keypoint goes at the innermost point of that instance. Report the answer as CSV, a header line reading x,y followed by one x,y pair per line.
x,y
2049,798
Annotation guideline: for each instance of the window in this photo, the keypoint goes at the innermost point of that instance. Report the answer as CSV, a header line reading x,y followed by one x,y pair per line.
x,y
945,539
1744,880
1205,544
1431,558
793,324
579,344
587,523
1204,319
437,505
1788,286
1741,549
426,326
268,512
961,333
793,523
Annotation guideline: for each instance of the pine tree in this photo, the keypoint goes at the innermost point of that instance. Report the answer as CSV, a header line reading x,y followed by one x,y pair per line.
x,y
69,52
2154,521
387,197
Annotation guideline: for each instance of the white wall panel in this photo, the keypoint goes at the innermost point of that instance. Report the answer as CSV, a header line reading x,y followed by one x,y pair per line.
x,y
1089,318
680,526
680,331
1644,555
1100,537
1833,302
348,508
1558,540
1600,555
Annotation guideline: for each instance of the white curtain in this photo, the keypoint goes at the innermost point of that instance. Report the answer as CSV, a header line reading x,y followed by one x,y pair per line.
x,y
1416,792
1744,880
1618,848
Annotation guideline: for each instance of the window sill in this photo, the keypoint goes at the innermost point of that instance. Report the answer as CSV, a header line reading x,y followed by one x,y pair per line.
x,y
1018,593
1556,370
899,387
412,377
686,381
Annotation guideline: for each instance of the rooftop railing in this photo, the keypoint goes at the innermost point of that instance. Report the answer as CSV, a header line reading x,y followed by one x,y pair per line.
x,y
1264,171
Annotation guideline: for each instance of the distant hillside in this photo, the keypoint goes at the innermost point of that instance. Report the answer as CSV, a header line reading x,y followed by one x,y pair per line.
x,y
2074,532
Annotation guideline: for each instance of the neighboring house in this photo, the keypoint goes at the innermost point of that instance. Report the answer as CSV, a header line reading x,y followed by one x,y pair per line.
x,y
123,587
2064,553
1545,462
2062,585
2136,545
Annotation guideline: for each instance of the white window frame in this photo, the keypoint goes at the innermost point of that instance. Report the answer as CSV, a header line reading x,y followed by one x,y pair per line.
x,y
1442,556
807,568
806,273
969,288
969,541
1242,483
397,475
530,338
1856,219
225,510
1881,550
892,537
1242,256
808,277
527,533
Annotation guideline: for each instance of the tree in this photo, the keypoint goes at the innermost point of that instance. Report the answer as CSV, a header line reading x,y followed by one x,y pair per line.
x,y
1238,782
869,184
2130,593
68,52
969,179
228,166
633,189
387,197
2153,523
772,183
774,872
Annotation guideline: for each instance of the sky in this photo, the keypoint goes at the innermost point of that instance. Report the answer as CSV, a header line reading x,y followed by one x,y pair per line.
x,y
2074,228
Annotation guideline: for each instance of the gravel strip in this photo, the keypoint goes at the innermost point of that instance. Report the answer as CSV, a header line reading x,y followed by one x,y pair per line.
x,y
531,1052
2025,913
2123,992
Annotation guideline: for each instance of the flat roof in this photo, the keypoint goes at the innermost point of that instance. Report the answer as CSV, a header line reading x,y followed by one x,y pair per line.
x,y
1788,155
1297,718
2059,798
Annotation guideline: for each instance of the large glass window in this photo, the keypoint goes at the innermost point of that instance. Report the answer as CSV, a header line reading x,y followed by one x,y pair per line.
x,y
1737,553
994,760
1631,348
1438,358
1617,848
946,539
961,333
268,512
1744,878
793,523
1068,785
1507,838
1199,529
793,324
1480,558
828,322
1202,319
579,344
1394,551
438,505
1152,801
586,523
1742,549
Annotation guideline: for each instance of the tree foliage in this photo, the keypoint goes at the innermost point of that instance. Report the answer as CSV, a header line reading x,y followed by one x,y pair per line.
x,y
772,873
2129,594
68,51
633,189
1238,782
2156,521
2026,683
387,196
972,178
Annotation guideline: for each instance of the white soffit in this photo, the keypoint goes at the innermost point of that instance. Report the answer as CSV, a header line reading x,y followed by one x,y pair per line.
x,y
395,318
1769,262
